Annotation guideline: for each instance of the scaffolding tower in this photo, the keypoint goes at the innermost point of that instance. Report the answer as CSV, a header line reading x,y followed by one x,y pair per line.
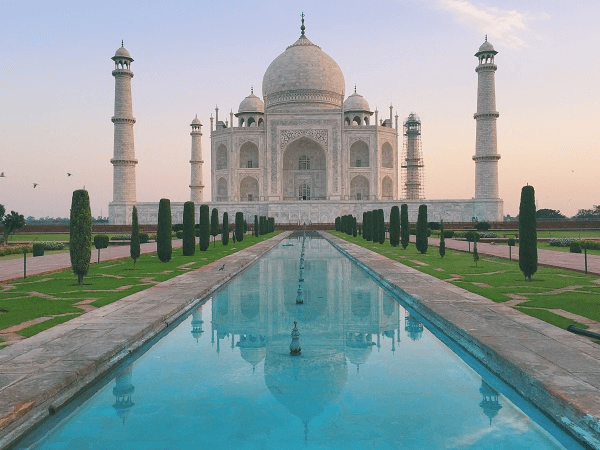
x,y
412,159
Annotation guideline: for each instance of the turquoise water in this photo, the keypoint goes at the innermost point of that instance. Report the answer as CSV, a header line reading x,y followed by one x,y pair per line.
x,y
370,375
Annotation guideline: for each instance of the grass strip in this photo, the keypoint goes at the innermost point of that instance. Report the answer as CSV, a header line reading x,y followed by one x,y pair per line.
x,y
550,317
39,327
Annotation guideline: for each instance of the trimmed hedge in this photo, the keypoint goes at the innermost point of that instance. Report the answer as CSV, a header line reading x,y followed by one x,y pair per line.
x,y
38,249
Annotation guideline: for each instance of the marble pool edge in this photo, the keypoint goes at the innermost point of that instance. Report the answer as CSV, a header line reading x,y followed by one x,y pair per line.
x,y
41,374
556,371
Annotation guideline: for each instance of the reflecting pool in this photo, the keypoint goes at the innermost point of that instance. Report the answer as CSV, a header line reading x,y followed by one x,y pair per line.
x,y
369,375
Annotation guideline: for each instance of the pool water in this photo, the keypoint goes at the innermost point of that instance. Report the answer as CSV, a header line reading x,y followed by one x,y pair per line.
x,y
370,375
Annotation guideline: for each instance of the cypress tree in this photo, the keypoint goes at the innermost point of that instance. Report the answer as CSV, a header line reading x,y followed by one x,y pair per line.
x,y
80,230
214,225
337,224
239,226
225,233
364,221
354,231
395,226
256,226
442,240
404,226
374,226
367,228
381,223
164,249
134,242
528,257
204,228
475,253
189,232
422,242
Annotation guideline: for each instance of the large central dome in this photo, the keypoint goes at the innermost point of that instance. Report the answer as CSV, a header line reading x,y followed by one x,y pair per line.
x,y
303,76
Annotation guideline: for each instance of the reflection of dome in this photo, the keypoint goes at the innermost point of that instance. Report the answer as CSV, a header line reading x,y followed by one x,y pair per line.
x,y
306,384
252,348
303,74
358,348
356,102
490,403
251,104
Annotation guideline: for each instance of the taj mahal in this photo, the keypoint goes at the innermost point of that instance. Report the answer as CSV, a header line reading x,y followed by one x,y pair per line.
x,y
306,153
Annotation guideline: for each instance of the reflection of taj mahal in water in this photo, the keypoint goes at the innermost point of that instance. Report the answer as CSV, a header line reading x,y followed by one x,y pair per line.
x,y
307,153
341,328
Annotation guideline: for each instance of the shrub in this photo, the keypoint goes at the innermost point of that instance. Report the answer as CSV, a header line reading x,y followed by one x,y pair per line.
x,y
239,226
214,225
53,245
204,228
575,247
448,233
511,242
164,248
590,245
179,235
187,233
337,224
38,249
121,237
134,244
562,242
152,237
422,243
395,226
472,236
80,228
101,241
528,257
442,248
177,226
144,238
225,233
412,231
482,226
404,227
434,225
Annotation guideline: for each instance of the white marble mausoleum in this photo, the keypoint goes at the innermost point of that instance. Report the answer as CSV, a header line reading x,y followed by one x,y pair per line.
x,y
306,153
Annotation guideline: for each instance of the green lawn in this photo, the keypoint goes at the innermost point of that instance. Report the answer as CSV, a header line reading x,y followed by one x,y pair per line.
x,y
499,279
56,294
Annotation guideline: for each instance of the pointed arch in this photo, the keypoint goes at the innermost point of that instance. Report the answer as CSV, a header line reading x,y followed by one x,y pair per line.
x,y
387,156
359,154
221,157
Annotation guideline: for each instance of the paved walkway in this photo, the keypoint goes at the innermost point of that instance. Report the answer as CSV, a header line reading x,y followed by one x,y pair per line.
x,y
12,269
43,372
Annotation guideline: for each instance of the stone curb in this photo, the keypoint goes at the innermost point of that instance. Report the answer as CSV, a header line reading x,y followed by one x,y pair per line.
x,y
41,374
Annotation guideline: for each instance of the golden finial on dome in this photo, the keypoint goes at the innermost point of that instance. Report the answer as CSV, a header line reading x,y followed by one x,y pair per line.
x,y
302,28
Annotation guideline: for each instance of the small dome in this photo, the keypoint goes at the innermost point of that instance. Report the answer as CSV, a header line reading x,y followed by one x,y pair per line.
x,y
486,47
412,117
196,121
356,102
122,53
251,104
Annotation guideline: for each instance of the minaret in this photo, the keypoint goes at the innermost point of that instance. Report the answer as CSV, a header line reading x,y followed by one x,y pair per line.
x,y
486,147
196,186
124,188
413,158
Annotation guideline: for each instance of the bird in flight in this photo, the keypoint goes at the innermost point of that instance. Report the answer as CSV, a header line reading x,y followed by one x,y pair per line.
x,y
68,174
35,185
2,175
222,267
